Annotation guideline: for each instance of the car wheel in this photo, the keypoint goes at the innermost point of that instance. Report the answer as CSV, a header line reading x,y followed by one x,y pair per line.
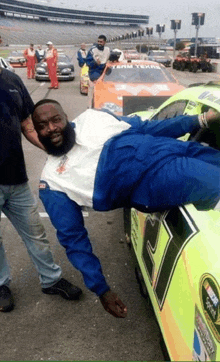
x,y
209,68
182,66
127,226
194,67
141,283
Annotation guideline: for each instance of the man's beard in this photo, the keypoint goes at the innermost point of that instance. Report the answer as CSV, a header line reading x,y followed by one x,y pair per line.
x,y
69,136
100,47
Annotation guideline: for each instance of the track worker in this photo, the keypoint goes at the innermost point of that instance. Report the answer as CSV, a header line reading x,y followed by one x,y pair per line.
x,y
96,60
31,58
81,55
51,59
106,162
16,199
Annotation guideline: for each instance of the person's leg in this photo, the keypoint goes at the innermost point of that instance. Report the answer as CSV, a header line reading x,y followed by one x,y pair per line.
x,y
4,268
181,181
21,210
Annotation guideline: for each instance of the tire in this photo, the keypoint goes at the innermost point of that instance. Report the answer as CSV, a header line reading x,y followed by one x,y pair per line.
x,y
209,67
182,67
174,65
194,67
178,66
141,283
127,225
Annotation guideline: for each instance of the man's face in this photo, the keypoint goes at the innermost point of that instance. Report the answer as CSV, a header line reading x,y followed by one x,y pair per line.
x,y
53,129
101,43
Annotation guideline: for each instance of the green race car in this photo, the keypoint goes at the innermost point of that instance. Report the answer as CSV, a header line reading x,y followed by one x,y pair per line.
x,y
178,251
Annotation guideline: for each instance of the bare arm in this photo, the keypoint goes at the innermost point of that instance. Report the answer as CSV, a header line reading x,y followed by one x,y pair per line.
x,y
29,132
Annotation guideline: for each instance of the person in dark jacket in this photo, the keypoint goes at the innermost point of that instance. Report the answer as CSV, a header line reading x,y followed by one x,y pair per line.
x,y
105,162
40,53
16,199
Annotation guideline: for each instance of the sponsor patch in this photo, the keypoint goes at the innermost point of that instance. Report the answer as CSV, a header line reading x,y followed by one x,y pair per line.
x,y
62,167
42,185
204,347
210,299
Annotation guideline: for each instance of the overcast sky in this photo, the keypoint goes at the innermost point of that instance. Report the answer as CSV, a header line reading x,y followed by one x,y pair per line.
x,y
160,12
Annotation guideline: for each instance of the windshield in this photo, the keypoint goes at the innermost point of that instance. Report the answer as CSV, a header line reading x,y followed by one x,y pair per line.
x,y
63,58
16,54
163,54
138,73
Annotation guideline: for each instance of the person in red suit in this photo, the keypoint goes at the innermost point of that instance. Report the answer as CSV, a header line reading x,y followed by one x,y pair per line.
x,y
31,58
51,59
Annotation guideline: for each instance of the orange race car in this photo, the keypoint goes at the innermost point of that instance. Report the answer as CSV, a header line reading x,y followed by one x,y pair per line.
x,y
131,86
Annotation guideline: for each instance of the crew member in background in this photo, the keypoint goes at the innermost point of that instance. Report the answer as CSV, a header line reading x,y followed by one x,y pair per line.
x,y
40,53
96,60
30,56
51,59
81,55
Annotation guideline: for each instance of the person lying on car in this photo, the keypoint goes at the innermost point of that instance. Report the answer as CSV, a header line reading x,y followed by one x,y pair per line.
x,y
106,162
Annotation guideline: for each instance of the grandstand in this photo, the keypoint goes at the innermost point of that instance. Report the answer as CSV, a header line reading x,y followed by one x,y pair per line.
x,y
24,23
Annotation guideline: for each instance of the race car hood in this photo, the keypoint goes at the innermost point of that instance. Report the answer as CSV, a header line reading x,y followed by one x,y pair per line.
x,y
126,98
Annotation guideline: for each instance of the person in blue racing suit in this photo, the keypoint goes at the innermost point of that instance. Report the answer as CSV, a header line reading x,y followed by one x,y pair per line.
x,y
97,57
96,60
105,162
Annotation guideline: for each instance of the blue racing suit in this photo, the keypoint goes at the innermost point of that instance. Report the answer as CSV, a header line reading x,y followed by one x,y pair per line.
x,y
95,69
124,162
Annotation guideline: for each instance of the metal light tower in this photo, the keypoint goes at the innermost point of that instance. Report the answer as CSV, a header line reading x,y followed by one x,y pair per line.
x,y
175,25
160,28
149,32
197,20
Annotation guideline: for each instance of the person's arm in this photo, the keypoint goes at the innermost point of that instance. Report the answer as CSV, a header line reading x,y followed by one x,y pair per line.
x,y
179,126
81,60
29,132
170,127
90,61
66,217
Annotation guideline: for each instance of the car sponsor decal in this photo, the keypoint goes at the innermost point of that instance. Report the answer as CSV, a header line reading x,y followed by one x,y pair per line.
x,y
135,90
62,167
130,66
204,347
210,299
210,96
180,228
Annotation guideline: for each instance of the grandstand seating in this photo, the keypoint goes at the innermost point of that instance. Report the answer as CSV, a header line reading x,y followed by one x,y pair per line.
x,y
20,31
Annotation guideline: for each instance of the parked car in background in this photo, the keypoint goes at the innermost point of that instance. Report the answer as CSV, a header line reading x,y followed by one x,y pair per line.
x,y
5,64
129,86
177,252
131,54
160,56
84,79
65,69
16,59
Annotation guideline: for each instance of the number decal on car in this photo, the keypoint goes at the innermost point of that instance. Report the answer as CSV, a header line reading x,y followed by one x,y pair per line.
x,y
179,228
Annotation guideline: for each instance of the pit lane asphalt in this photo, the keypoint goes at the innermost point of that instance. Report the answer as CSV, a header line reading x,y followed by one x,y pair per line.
x,y
43,327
